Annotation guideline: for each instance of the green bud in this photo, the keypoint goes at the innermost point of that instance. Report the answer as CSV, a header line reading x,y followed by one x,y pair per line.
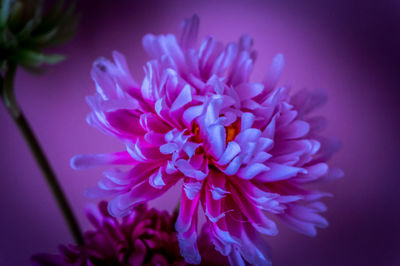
x,y
25,30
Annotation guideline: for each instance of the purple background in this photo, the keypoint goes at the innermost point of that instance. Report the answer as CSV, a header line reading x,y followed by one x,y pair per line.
x,y
350,49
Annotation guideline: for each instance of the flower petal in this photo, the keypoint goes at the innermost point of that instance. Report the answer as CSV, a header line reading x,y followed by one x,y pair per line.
x,y
189,31
92,160
278,172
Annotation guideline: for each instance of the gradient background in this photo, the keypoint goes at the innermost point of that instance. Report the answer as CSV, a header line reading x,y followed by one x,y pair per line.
x,y
350,48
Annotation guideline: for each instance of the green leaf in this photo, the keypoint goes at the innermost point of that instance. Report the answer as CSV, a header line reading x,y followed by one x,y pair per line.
x,y
4,12
45,37
26,30
31,58
28,58
53,59
16,14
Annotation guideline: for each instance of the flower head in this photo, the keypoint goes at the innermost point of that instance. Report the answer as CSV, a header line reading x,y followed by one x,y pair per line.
x,y
244,150
145,237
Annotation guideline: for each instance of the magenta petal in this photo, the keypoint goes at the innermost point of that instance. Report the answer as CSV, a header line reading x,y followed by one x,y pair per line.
x,y
295,130
156,179
184,97
305,228
216,140
156,139
307,214
235,259
98,193
260,157
150,122
248,135
247,121
189,31
168,148
274,72
307,101
249,90
187,210
190,148
233,166
317,206
314,172
225,60
192,113
93,160
142,153
278,172
333,173
188,170
230,152
252,170
122,205
188,243
105,83
254,215
192,189
218,193
125,122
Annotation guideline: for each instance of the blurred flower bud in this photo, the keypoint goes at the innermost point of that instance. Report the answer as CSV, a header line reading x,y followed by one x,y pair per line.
x,y
29,26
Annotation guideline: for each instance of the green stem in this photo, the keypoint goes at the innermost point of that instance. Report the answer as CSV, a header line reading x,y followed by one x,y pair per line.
x,y
8,97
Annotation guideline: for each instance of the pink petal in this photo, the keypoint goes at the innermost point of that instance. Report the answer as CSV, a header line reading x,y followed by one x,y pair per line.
x,y
252,170
249,90
189,31
156,179
253,214
188,243
192,189
216,140
92,160
187,210
184,97
278,172
295,130
230,152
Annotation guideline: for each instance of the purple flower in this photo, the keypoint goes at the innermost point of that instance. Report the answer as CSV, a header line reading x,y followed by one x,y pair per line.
x,y
244,150
144,237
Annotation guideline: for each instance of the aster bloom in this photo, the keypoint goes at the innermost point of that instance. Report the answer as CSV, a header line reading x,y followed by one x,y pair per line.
x,y
145,237
245,151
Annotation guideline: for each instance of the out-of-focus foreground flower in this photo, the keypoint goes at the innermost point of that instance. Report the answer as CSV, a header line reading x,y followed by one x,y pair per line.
x,y
145,237
245,151
25,29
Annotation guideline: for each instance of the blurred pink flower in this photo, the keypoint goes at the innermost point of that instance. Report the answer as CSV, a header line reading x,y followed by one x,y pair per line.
x,y
144,237
244,150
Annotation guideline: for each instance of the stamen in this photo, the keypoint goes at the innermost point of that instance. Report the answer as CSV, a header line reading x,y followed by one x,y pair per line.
x,y
232,130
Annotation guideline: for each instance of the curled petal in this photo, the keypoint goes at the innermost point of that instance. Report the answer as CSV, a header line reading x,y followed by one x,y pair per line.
x,y
93,160
184,97
192,189
189,31
252,170
278,172
187,211
156,179
230,152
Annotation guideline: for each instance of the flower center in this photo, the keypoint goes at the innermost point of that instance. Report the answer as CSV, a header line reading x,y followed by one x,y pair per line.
x,y
232,130
196,133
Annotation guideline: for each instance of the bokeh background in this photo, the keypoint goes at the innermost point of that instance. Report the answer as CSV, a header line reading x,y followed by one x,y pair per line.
x,y
350,48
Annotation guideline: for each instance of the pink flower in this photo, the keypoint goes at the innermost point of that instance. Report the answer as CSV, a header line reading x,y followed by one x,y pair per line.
x,y
244,150
144,237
